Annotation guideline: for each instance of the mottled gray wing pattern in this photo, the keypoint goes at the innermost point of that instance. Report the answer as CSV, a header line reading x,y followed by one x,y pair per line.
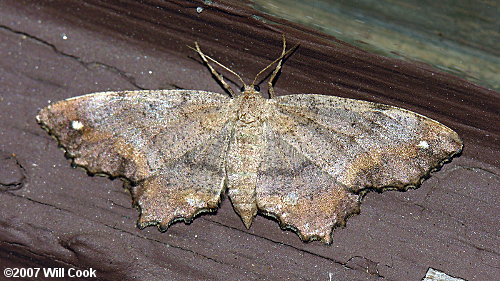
x,y
364,144
170,144
299,192
335,145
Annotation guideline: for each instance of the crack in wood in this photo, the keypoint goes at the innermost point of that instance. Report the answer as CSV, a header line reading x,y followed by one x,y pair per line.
x,y
88,65
344,264
13,174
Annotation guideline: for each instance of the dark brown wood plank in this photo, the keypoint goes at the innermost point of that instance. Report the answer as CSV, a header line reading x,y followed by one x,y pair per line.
x,y
54,215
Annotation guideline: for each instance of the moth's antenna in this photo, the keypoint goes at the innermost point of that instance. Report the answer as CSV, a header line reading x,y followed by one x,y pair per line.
x,y
276,70
278,67
205,58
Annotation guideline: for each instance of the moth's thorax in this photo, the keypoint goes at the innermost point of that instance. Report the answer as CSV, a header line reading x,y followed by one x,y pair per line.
x,y
244,152
251,106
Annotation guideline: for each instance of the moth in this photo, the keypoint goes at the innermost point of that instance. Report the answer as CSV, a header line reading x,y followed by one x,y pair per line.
x,y
305,159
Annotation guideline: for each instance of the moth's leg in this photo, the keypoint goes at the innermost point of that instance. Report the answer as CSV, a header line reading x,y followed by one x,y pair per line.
x,y
214,72
276,70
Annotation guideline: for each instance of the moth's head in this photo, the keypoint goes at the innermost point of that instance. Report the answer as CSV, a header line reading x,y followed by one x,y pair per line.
x,y
250,89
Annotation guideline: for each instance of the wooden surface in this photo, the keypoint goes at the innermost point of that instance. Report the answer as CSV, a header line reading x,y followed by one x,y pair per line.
x,y
56,216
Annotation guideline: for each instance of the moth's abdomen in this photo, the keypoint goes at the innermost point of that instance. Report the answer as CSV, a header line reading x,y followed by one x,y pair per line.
x,y
242,164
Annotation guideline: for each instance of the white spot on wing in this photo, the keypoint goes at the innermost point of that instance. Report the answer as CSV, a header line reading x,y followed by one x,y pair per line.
x,y
423,144
76,125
